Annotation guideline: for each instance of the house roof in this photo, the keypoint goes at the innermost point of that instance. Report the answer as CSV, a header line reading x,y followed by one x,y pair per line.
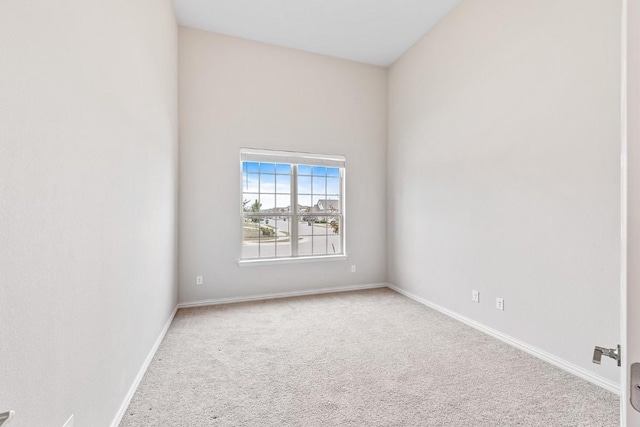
x,y
329,204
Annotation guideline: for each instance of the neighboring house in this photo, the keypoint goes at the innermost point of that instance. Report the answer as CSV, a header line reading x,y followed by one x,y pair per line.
x,y
323,206
327,205
277,210
286,210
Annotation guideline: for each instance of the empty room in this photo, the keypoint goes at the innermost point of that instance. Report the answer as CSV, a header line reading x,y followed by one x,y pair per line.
x,y
319,213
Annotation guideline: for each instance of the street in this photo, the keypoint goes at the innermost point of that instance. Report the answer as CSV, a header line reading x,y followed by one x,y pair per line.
x,y
314,239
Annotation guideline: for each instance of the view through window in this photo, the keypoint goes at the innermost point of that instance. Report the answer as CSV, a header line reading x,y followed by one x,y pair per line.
x,y
272,184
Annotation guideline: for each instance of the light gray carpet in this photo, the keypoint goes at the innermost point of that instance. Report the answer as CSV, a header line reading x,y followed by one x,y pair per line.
x,y
367,358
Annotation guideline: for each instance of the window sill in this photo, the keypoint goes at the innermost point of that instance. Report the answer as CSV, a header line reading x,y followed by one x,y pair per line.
x,y
296,260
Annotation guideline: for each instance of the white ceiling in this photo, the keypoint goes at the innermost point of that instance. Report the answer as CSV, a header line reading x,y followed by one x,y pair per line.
x,y
372,31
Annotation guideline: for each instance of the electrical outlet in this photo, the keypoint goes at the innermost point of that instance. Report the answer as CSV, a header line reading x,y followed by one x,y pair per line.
x,y
353,268
199,280
500,304
475,296
69,422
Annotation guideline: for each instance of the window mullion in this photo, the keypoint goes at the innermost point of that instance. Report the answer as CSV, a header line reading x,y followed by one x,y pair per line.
x,y
294,210
341,191
259,218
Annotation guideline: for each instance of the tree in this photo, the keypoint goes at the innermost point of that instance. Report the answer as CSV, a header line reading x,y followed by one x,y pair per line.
x,y
255,207
335,226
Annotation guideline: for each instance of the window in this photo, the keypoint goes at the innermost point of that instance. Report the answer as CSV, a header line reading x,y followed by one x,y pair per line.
x,y
292,205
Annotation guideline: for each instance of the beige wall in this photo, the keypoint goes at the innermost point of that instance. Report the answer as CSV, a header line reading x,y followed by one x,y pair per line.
x,y
504,171
88,190
631,348
503,157
237,93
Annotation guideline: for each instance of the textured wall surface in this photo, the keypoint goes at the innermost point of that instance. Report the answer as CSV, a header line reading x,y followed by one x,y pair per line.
x,y
504,171
88,202
237,93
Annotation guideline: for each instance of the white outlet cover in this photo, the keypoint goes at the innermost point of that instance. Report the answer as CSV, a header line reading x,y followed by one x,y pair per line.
x,y
353,268
500,304
475,296
199,280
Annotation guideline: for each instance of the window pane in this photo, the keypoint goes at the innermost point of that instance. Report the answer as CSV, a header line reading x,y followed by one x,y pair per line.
x,y
267,183
283,169
320,244
267,248
334,246
250,238
283,184
304,204
283,203
328,206
304,170
268,201
305,231
319,171
250,182
333,187
335,229
249,202
318,185
335,172
283,240
250,167
307,219
333,235
304,185
319,235
268,227
267,168
268,237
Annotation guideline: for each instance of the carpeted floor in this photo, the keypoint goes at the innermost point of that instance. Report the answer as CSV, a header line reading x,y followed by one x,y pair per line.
x,y
366,358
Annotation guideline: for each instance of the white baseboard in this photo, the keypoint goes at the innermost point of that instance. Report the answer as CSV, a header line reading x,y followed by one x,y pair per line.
x,y
218,301
534,351
136,382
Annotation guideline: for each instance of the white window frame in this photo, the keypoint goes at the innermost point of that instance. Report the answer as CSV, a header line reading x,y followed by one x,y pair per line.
x,y
294,159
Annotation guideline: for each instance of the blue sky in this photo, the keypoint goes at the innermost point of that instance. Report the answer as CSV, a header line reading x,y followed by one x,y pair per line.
x,y
271,183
